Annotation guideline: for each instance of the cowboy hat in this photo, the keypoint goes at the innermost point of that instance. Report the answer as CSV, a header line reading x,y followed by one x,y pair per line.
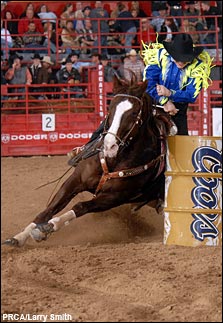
x,y
182,49
68,60
36,55
162,6
104,58
47,59
132,52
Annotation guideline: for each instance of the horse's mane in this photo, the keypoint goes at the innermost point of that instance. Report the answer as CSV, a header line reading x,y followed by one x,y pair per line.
x,y
155,119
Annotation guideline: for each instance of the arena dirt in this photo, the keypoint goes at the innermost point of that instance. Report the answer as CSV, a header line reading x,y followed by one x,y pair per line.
x,y
105,267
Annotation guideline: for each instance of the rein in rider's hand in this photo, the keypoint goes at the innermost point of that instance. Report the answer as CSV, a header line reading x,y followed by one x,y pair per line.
x,y
170,108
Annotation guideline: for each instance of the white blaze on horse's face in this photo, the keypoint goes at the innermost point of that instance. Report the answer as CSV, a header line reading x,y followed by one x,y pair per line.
x,y
110,140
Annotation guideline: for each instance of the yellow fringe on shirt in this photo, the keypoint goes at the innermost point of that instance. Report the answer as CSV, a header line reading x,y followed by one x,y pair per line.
x,y
198,71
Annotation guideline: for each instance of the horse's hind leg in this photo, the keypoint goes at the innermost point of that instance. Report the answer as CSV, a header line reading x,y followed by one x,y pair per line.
x,y
102,202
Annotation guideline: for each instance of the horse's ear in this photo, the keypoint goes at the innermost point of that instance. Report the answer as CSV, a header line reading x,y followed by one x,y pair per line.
x,y
118,82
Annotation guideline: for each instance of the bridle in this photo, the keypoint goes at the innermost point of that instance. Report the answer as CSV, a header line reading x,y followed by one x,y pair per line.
x,y
158,161
138,121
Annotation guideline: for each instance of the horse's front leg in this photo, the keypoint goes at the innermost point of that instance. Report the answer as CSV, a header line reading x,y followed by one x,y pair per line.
x,y
40,228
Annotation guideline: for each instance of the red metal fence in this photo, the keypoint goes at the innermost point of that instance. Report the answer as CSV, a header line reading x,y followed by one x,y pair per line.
x,y
54,126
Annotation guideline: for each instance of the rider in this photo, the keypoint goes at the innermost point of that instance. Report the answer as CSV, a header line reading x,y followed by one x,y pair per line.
x,y
176,72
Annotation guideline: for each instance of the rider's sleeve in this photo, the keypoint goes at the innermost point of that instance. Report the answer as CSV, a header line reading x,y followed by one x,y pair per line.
x,y
196,77
152,74
187,95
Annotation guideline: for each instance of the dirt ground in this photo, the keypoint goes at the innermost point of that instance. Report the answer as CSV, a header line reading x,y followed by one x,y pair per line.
x,y
107,267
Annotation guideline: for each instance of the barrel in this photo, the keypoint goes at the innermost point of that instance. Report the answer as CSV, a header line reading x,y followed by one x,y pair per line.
x,y
193,191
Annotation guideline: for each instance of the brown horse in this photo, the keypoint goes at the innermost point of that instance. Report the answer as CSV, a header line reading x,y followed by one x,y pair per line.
x,y
128,168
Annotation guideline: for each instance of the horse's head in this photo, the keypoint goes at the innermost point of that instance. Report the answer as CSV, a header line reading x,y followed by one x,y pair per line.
x,y
125,115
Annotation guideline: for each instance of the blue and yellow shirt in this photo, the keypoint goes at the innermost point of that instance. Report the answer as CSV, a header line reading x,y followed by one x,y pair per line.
x,y
185,84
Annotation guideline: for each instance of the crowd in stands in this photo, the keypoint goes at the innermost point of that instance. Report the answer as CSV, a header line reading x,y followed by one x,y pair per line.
x,y
86,36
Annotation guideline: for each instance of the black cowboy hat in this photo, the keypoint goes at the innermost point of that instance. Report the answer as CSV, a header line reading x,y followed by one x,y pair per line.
x,y
75,52
68,60
104,57
96,54
162,6
12,57
87,7
36,55
182,49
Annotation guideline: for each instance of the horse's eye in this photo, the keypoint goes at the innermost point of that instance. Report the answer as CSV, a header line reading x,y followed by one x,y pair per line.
x,y
134,114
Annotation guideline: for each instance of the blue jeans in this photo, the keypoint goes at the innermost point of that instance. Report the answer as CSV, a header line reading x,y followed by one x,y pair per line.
x,y
103,43
129,38
3,46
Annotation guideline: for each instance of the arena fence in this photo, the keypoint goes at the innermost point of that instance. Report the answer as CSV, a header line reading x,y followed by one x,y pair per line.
x,y
50,126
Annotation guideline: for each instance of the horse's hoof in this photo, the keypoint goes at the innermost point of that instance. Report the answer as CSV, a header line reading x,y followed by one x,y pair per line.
x,y
41,231
11,242
37,235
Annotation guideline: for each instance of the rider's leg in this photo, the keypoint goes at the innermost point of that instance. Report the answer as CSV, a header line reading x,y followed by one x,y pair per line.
x,y
95,135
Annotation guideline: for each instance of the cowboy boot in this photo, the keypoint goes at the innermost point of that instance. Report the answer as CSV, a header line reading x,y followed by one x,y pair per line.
x,y
75,151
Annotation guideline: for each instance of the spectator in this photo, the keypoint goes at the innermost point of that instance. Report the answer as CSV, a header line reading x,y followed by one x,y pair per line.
x,y
11,24
50,37
32,38
18,75
120,69
114,40
6,41
175,10
69,37
159,20
52,79
76,63
147,33
47,16
194,24
140,12
167,30
78,6
86,38
126,26
39,75
134,65
68,13
134,13
86,11
23,25
95,14
70,75
209,12
95,59
3,8
109,71
79,20
155,7
47,64
30,5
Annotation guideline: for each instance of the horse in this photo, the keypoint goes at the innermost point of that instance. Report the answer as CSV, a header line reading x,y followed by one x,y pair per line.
x,y
128,167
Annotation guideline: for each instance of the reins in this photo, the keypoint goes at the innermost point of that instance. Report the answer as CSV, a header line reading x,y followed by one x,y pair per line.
x,y
56,180
106,175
